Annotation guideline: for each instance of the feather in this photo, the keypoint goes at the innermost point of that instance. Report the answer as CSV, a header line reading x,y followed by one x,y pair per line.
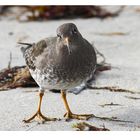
x,y
23,49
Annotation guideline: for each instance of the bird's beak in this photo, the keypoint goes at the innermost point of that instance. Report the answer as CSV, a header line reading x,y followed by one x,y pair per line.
x,y
67,43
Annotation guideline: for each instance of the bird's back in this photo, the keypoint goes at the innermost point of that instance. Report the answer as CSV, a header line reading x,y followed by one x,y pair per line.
x,y
33,52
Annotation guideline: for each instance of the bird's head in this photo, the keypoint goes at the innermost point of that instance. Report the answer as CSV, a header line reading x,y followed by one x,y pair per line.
x,y
68,33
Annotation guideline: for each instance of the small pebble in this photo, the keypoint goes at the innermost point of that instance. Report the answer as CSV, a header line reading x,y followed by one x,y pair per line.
x,y
10,33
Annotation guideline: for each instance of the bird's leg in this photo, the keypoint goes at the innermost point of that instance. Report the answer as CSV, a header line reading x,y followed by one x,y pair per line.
x,y
38,113
69,114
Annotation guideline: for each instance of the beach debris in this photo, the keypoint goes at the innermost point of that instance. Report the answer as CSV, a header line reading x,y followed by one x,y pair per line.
x,y
14,77
39,13
10,61
110,104
137,9
113,34
134,98
112,89
114,119
83,126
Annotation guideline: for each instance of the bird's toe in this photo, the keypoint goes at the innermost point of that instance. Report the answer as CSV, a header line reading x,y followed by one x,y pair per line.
x,y
78,116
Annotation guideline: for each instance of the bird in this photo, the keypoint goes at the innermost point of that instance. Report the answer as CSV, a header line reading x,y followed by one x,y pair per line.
x,y
61,62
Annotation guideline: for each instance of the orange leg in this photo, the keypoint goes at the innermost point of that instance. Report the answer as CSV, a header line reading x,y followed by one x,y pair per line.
x,y
38,113
69,114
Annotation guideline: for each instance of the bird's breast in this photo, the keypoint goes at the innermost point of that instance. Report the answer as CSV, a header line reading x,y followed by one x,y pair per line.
x,y
63,70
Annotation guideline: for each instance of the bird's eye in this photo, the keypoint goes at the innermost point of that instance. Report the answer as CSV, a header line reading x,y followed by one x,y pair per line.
x,y
58,35
74,31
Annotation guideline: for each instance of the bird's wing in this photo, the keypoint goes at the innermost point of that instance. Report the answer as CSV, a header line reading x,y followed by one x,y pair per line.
x,y
32,51
91,50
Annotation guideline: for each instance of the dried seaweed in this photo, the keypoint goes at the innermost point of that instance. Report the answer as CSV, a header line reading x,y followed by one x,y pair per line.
x,y
3,9
114,119
83,126
113,89
39,13
137,9
111,104
14,77
134,98
10,61
57,12
113,34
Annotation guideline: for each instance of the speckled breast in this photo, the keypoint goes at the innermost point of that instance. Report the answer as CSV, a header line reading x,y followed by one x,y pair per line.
x,y
60,78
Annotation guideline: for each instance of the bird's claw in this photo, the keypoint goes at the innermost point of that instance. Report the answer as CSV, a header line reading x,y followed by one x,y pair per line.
x,y
78,116
40,116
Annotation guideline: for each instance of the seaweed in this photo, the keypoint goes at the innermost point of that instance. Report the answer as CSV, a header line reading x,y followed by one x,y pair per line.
x,y
41,13
83,126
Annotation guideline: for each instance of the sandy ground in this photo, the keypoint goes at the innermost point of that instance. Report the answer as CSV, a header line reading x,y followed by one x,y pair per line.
x,y
121,51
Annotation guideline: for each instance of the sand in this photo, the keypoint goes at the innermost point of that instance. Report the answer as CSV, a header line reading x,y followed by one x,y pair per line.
x,y
117,38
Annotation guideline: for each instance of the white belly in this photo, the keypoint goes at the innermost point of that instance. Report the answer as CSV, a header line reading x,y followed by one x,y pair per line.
x,y
45,82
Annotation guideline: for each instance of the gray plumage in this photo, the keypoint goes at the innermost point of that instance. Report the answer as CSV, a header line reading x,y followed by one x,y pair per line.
x,y
57,64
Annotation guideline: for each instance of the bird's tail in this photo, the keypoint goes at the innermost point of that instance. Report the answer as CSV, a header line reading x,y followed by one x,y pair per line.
x,y
28,45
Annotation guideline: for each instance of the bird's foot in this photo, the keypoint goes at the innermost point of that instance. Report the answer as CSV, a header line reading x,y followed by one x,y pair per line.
x,y
70,115
40,116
